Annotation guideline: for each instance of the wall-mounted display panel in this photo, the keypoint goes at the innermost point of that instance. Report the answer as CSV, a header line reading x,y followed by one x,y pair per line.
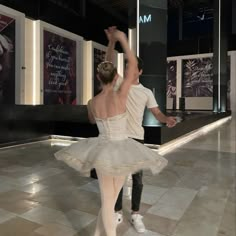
x,y
11,56
57,65
198,77
194,81
171,84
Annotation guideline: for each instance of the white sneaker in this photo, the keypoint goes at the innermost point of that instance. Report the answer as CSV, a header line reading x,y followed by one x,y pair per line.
x,y
118,218
136,221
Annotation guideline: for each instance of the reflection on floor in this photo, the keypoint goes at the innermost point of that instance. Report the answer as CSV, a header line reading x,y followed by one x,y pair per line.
x,y
194,196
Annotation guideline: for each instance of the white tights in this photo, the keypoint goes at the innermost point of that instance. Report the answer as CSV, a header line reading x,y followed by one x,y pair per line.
x,y
110,187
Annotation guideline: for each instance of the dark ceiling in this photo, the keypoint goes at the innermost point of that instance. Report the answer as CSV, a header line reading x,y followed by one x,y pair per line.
x,y
122,5
116,8
119,8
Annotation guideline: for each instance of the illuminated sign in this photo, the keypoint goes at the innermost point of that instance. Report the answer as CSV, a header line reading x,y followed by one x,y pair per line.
x,y
145,19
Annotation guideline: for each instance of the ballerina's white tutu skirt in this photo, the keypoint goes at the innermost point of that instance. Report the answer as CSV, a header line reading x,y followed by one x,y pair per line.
x,y
111,157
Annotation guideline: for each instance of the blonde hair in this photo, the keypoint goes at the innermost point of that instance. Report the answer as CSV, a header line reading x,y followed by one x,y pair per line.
x,y
106,72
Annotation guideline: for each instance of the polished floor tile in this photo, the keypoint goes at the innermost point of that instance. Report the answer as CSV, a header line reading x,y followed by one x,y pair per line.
x,y
228,225
173,203
18,226
32,188
132,232
55,230
6,215
152,194
91,187
161,225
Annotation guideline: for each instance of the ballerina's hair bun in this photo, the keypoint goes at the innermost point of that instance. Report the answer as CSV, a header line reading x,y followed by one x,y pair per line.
x,y
106,72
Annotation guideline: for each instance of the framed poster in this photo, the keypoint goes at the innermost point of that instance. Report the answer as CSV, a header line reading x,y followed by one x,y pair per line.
x,y
59,69
58,66
94,53
197,77
11,56
171,85
171,79
228,85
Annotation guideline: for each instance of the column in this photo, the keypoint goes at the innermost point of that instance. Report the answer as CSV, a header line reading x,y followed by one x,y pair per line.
x,y
220,75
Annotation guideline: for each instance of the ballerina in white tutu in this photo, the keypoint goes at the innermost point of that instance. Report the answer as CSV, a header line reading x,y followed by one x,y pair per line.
x,y
112,153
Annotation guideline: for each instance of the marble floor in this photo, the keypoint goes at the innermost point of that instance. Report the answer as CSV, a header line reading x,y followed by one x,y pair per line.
x,y
194,196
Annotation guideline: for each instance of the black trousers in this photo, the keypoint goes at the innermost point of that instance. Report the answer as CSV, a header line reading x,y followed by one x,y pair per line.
x,y
137,190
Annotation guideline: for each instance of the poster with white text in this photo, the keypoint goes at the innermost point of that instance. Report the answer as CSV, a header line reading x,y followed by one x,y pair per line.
x,y
59,69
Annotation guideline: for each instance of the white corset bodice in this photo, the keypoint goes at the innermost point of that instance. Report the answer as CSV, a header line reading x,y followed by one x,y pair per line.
x,y
113,128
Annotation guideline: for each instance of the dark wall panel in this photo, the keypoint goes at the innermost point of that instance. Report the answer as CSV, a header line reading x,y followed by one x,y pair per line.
x,y
153,51
20,123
